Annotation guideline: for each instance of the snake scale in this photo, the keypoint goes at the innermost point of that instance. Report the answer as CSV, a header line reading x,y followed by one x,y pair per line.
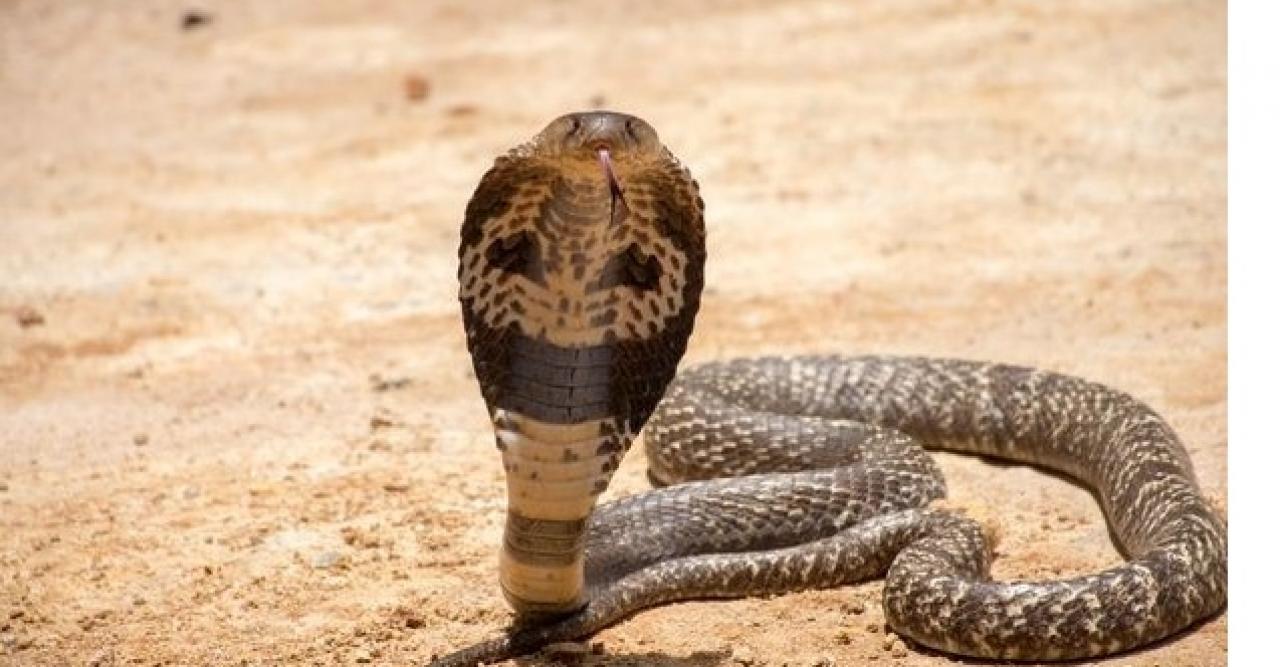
x,y
580,273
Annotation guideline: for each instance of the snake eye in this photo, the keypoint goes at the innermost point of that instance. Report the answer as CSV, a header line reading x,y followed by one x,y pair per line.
x,y
633,268
517,254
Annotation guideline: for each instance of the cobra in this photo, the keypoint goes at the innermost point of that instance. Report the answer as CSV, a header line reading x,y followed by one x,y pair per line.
x,y
580,271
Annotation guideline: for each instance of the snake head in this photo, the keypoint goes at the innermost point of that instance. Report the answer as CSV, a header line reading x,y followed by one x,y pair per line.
x,y
583,135
580,274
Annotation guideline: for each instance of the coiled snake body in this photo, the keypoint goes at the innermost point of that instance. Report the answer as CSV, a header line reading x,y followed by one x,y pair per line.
x,y
581,273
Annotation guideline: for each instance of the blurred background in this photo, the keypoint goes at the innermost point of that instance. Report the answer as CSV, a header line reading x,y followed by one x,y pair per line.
x,y
237,419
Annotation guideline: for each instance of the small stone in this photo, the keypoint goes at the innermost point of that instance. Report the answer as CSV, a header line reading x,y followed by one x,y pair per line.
x,y
416,87
194,18
854,607
103,658
743,657
899,650
381,420
13,643
363,539
844,637
326,559
824,661
888,642
28,317
141,439
381,384
362,656
396,487
873,628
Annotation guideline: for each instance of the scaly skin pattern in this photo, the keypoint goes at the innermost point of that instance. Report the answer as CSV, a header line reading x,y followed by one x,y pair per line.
x,y
783,474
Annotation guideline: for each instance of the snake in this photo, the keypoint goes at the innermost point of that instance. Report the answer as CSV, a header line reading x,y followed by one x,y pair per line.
x,y
580,276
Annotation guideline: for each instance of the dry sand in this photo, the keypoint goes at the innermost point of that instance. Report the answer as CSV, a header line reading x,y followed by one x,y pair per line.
x,y
239,425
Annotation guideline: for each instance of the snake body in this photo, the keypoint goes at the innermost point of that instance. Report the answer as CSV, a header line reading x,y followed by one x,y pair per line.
x,y
779,474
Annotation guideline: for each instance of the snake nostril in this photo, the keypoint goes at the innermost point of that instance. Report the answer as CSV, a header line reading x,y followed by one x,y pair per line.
x,y
575,124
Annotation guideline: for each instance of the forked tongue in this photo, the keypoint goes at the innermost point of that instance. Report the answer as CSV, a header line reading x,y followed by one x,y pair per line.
x,y
617,203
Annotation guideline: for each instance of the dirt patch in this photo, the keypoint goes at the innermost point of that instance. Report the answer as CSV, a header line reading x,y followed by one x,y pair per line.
x,y
239,424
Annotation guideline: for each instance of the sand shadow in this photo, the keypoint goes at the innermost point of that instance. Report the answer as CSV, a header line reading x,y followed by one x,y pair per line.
x,y
647,659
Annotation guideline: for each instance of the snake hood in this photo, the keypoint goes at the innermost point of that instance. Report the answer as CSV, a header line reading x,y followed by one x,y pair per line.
x,y
580,272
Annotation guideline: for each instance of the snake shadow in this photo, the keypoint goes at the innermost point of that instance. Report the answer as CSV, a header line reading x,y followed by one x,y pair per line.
x,y
647,659
725,656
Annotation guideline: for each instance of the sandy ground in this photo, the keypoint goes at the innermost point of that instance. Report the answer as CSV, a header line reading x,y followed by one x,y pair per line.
x,y
239,425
